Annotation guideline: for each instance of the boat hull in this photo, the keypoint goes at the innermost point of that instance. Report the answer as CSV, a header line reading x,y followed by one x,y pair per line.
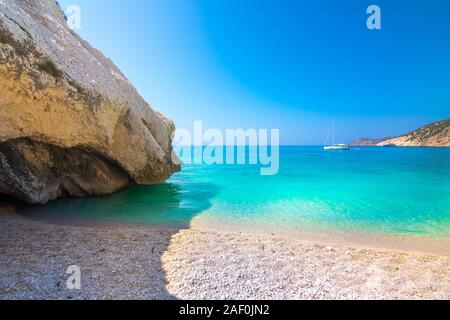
x,y
337,148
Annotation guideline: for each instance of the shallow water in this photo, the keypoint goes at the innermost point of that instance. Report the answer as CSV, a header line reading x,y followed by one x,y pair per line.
x,y
398,190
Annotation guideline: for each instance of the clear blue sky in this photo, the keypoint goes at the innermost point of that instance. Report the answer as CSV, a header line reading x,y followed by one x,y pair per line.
x,y
291,65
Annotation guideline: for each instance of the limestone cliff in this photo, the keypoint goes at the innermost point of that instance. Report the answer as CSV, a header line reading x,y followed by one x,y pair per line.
x,y
71,124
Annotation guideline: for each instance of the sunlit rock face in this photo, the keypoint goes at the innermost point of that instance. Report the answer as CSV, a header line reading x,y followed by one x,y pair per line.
x,y
71,124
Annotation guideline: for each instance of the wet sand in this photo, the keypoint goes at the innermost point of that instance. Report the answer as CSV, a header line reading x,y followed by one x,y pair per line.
x,y
160,262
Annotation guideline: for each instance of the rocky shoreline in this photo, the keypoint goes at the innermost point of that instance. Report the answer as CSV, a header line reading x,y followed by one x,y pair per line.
x,y
149,262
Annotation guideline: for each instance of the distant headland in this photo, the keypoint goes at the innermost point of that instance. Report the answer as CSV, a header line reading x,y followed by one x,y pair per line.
x,y
434,135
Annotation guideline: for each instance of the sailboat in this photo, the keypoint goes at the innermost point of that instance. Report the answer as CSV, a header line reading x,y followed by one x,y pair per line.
x,y
334,146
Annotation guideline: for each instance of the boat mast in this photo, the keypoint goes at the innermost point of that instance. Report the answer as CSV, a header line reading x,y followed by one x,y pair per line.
x,y
334,127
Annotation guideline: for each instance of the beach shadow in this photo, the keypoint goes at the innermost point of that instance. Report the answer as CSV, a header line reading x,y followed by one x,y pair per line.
x,y
132,227
167,203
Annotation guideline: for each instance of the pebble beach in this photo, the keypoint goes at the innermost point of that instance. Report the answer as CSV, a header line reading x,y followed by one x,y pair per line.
x,y
150,262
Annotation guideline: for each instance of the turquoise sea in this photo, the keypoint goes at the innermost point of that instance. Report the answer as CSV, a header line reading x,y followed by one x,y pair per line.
x,y
394,190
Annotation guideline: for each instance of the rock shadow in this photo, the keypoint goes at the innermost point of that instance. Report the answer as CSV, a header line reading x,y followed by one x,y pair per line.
x,y
118,240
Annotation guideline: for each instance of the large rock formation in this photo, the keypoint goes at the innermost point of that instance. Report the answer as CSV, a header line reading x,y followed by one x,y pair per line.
x,y
71,124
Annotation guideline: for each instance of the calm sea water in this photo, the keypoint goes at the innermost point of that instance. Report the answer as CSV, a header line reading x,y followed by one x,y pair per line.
x,y
399,190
